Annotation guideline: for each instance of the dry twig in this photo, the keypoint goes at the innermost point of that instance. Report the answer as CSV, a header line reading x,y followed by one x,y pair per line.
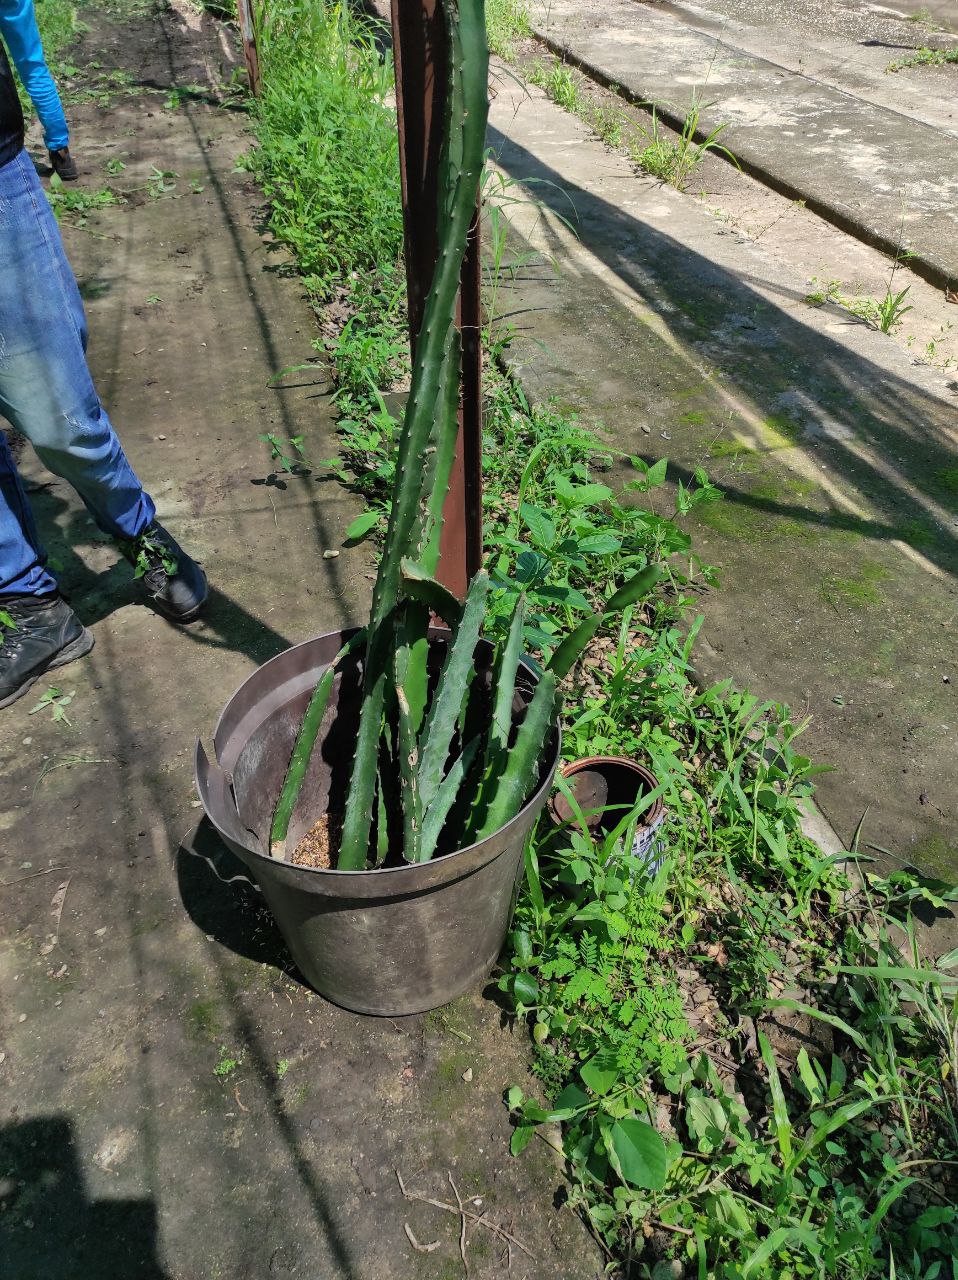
x,y
464,1214
462,1220
420,1248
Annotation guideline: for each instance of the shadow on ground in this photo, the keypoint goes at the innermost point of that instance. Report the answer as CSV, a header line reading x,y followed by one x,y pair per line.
x,y
52,1228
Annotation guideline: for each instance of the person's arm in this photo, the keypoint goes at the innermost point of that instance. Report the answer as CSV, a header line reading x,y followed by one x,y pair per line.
x,y
18,26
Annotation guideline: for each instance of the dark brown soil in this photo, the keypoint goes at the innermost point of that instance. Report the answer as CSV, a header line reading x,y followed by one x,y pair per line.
x,y
321,841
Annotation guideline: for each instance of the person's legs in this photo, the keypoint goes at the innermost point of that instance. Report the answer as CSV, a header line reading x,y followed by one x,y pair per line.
x,y
45,386
46,391
22,562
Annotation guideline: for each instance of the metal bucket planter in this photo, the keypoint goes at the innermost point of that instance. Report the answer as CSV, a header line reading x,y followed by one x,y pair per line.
x,y
395,940
605,788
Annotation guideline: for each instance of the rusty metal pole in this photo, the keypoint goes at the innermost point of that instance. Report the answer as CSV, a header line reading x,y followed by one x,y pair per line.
x,y
421,57
247,25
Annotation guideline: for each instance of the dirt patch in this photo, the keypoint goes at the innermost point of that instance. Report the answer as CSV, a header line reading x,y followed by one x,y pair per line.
x,y
321,841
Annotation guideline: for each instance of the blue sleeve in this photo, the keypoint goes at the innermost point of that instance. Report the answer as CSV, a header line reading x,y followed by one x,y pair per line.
x,y
18,26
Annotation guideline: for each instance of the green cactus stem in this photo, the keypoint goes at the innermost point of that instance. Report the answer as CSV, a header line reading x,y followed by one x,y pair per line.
x,y
303,748
429,422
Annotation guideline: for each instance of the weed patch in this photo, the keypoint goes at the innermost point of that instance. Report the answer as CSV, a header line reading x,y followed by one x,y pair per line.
x,y
925,57
507,22
328,156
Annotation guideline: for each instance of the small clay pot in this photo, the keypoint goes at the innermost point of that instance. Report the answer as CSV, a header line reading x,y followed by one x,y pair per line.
x,y
605,788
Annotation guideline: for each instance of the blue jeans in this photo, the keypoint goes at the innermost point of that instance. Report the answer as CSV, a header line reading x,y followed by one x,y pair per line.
x,y
46,391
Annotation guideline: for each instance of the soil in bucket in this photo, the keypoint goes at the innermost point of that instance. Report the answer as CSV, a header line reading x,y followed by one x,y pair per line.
x,y
319,846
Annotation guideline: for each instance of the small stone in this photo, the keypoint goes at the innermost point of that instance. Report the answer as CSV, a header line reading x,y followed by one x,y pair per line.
x,y
100,932
22,1018
27,741
161,437
647,431
330,553
467,1075
700,995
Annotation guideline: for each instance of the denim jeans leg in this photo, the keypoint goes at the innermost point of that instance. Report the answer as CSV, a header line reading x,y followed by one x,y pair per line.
x,y
46,390
22,570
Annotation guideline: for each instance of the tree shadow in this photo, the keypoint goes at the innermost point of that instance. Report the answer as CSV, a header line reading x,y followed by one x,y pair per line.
x,y
880,434
52,1229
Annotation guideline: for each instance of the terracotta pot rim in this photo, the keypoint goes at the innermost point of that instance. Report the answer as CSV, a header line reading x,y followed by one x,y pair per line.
x,y
652,817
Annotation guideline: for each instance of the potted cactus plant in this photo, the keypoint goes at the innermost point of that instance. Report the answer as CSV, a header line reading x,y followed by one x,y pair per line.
x,y
416,756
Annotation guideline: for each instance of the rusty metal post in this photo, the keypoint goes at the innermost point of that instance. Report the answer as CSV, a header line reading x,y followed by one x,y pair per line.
x,y
247,25
420,52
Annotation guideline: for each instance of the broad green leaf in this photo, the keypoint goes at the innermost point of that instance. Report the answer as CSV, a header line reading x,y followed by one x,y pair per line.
x,y
522,945
530,566
599,544
539,524
656,473
571,1099
521,1138
640,1153
707,1120
514,1097
599,1079
525,988
362,525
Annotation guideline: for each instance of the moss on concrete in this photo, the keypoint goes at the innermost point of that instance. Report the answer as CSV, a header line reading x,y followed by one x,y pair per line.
x,y
859,590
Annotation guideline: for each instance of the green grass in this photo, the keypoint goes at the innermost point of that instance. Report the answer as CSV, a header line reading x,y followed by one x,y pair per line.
x,y
884,313
327,155
561,83
675,159
507,22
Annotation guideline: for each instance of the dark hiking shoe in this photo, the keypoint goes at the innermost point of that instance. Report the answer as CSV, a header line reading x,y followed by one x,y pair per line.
x,y
46,633
62,164
174,582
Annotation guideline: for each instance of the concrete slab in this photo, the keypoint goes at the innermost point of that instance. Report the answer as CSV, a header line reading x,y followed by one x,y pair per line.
x,y
837,540
885,177
848,46
175,1104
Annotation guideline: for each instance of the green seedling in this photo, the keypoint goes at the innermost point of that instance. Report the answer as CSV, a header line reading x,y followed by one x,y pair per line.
x,y
292,465
674,160
56,702
227,1064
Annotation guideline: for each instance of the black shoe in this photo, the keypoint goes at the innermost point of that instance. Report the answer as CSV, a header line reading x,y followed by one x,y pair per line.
x,y
174,582
46,633
62,164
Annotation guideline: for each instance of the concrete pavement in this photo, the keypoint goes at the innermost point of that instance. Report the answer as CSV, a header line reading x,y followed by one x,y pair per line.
x,y
813,130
